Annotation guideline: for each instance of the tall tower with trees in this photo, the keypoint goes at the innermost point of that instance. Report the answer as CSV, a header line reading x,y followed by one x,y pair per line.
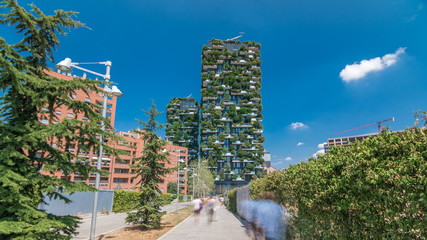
x,y
231,111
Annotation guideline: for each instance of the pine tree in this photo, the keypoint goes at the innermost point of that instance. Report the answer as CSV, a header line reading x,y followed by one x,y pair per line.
x,y
149,171
26,144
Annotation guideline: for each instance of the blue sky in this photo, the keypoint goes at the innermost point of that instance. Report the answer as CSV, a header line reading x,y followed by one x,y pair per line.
x,y
155,47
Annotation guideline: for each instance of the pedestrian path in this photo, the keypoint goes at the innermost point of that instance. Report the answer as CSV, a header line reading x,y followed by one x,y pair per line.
x,y
224,226
114,221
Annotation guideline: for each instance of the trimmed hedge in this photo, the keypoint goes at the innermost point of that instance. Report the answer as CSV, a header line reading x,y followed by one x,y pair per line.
x,y
125,201
232,200
376,189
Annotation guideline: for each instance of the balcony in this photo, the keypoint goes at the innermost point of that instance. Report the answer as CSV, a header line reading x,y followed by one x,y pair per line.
x,y
247,104
226,119
249,149
242,126
218,108
218,47
207,149
237,143
258,131
255,99
209,131
206,82
255,78
228,136
255,49
228,103
218,142
241,63
209,98
210,67
253,67
229,154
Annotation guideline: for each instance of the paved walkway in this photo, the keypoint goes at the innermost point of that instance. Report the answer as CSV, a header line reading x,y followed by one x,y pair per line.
x,y
224,226
113,221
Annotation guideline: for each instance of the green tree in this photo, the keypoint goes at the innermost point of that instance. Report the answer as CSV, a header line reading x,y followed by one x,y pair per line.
x,y
203,180
149,171
172,187
26,143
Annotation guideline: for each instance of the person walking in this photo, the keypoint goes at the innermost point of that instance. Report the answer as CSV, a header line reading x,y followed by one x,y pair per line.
x,y
197,207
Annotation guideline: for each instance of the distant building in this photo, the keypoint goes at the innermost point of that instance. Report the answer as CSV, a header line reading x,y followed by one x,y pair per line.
x,y
182,125
267,159
231,111
345,141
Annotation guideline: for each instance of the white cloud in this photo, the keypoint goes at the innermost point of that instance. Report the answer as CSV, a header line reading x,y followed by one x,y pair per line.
x,y
300,144
298,125
321,145
357,71
318,153
288,159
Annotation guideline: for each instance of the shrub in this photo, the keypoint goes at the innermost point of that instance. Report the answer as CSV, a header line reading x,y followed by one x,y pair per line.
x,y
125,200
232,200
371,190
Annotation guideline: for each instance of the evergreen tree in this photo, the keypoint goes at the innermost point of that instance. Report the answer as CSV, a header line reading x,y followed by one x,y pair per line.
x,y
26,144
149,171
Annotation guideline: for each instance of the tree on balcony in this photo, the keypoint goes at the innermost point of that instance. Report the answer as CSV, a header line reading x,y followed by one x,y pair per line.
x,y
150,170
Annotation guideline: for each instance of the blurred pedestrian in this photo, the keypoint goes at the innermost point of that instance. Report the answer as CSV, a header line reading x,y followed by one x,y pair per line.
x,y
197,206
210,207
269,218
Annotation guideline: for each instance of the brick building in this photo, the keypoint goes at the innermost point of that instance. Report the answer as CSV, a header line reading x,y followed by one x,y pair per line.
x,y
120,176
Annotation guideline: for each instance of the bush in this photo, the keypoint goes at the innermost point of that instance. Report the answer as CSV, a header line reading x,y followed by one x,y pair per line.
x,y
374,189
232,200
125,200
167,198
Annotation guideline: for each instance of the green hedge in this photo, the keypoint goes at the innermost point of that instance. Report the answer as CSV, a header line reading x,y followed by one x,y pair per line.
x,y
376,189
125,201
232,200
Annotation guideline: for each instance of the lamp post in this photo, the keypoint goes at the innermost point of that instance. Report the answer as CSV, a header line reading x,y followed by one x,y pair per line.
x,y
67,65
178,162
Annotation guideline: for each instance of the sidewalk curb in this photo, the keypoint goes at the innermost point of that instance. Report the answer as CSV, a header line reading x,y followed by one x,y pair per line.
x,y
174,227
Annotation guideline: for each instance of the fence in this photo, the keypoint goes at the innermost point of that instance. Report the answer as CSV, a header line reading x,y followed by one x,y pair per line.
x,y
242,194
81,203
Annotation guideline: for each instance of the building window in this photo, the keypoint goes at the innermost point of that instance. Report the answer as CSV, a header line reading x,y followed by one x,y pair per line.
x,y
73,96
44,121
70,115
57,112
120,180
84,118
87,99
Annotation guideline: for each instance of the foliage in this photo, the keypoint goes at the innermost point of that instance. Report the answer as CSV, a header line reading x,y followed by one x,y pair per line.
x,y
232,200
203,180
172,187
26,144
125,200
149,171
374,189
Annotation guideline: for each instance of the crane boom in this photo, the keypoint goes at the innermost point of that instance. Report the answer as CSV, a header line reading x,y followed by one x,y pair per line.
x,y
368,125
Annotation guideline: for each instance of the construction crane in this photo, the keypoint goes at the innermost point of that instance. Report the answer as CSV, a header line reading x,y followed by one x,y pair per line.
x,y
241,35
368,125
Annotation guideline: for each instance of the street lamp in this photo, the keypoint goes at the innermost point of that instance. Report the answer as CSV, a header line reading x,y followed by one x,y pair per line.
x,y
178,162
67,65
